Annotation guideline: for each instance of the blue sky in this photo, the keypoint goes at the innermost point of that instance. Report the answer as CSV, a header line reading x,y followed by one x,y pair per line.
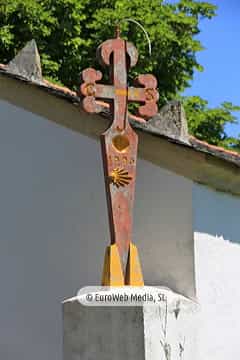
x,y
220,80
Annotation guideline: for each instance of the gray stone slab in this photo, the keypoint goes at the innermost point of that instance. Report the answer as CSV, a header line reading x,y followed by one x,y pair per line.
x,y
27,63
162,332
171,121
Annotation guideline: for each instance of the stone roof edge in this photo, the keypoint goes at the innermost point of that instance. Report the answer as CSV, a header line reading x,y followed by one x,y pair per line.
x,y
194,143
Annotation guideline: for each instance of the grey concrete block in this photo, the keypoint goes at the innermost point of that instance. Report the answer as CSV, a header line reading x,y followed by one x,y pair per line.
x,y
162,332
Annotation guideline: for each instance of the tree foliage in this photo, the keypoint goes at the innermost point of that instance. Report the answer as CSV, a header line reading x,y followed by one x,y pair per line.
x,y
209,123
68,32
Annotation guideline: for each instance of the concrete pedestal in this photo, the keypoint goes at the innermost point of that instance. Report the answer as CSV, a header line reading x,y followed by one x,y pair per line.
x,y
165,331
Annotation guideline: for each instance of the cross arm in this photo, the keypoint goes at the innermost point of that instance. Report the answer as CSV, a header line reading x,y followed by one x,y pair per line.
x,y
146,94
93,91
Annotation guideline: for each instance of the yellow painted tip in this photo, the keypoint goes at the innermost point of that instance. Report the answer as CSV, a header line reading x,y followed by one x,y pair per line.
x,y
112,269
133,275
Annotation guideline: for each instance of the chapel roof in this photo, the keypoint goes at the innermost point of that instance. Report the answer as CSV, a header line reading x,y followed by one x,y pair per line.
x,y
166,139
72,96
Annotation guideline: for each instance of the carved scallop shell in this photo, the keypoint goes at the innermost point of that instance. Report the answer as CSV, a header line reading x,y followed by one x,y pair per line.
x,y
120,177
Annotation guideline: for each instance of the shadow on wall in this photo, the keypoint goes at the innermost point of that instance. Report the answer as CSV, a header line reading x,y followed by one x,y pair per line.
x,y
163,228
216,213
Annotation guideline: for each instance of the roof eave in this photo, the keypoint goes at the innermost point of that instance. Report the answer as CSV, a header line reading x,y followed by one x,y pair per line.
x,y
201,162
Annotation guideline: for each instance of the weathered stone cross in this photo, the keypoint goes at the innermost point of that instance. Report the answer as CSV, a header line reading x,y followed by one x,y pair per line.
x,y
119,152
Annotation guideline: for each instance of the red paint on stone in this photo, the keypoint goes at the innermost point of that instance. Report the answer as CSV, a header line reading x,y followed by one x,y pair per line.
x,y
119,142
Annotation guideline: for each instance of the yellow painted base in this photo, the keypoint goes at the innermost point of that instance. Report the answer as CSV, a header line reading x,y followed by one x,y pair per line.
x,y
133,275
112,270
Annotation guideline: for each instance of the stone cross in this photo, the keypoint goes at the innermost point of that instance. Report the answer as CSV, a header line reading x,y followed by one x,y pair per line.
x,y
119,151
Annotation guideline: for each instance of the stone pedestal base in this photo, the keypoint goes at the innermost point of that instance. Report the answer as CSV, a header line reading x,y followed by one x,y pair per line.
x,y
165,331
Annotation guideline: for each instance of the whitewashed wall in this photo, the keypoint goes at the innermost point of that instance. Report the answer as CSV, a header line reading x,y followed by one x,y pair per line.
x,y
53,228
217,263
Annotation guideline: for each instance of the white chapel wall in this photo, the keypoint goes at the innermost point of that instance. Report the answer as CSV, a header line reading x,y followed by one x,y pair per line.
x,y
54,228
217,262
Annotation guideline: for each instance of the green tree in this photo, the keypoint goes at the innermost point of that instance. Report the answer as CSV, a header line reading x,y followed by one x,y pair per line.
x,y
68,32
209,123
